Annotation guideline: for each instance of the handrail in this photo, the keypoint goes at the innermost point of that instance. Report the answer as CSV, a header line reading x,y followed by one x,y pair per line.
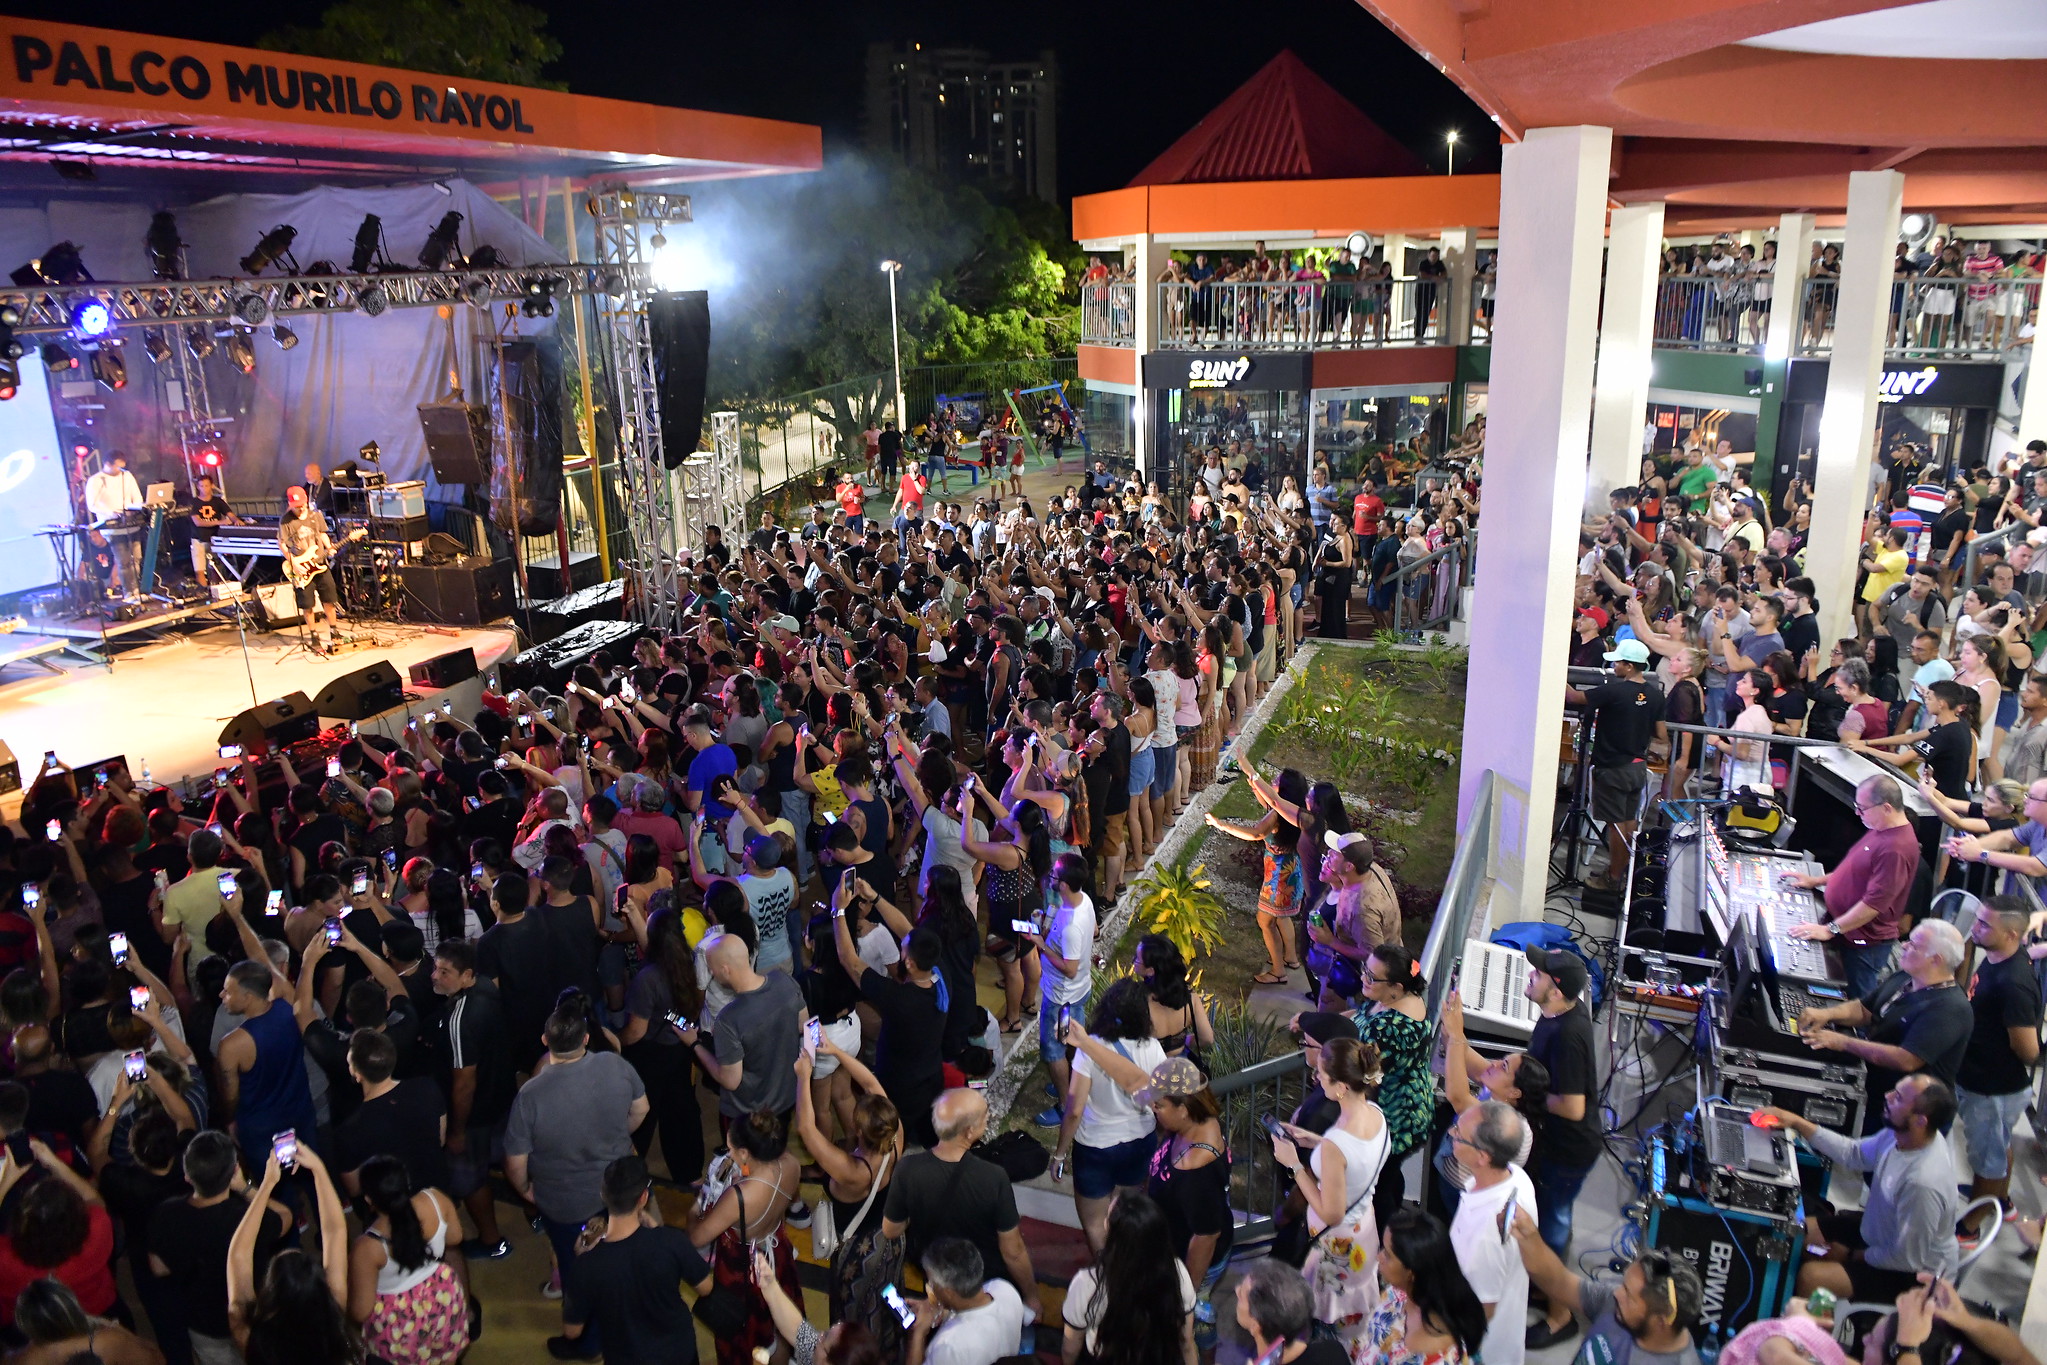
x,y
1108,313
1306,314
1931,316
1407,572
1470,869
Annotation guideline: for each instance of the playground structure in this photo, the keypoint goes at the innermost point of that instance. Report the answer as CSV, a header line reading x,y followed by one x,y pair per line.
x,y
970,412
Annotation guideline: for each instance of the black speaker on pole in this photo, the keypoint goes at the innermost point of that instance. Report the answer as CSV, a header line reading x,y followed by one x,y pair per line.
x,y
679,326
457,441
277,723
362,694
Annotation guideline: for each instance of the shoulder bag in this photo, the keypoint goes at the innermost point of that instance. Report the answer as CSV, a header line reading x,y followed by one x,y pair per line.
x,y
824,1230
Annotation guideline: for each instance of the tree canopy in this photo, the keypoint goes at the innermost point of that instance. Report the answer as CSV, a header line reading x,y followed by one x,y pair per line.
x,y
481,40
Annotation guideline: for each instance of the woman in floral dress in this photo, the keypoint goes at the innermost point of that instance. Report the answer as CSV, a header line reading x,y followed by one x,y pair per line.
x,y
1337,1183
1428,1314
1393,1020
1279,895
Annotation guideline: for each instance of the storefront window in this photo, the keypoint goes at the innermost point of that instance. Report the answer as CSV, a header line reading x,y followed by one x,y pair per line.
x,y
1241,425
1108,418
1352,425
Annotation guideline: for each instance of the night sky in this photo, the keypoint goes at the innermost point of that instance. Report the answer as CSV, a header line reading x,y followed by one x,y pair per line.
x,y
1134,77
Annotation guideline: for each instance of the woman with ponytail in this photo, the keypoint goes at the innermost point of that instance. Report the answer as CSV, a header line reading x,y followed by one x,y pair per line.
x,y
407,1288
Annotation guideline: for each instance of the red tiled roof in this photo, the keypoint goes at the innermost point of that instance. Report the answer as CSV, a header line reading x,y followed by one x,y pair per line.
x,y
1285,123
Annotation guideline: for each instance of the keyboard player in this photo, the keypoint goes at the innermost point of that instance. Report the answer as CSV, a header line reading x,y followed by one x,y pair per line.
x,y
1867,890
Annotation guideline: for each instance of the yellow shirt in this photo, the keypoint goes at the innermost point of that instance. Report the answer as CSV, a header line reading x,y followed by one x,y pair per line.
x,y
1888,573
831,798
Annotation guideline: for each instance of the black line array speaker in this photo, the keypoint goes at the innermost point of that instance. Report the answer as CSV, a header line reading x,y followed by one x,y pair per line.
x,y
457,594
362,694
679,328
445,670
457,441
277,723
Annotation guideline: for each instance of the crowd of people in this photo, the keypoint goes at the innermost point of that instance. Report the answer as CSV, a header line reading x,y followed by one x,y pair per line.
x,y
286,1046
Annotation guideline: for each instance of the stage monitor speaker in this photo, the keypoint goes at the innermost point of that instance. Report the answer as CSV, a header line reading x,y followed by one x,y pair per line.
x,y
10,769
456,594
457,441
277,723
278,604
444,670
679,328
362,694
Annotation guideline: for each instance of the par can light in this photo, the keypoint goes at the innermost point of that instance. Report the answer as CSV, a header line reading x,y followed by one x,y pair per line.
x,y
91,318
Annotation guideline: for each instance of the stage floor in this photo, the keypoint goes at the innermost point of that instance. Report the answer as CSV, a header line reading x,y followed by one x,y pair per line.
x,y
165,703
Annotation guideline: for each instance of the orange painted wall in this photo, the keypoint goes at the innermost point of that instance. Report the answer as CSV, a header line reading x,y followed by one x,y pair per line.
x,y
1417,203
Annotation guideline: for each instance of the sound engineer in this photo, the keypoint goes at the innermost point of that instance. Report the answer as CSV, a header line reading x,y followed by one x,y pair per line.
x,y
1625,713
1867,890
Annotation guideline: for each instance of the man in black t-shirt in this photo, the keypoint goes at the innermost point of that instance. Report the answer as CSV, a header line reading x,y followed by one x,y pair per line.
x,y
406,1119
519,954
1995,1080
628,1286
1624,713
210,511
188,1241
1105,770
477,1061
946,1192
1573,1135
1917,1018
908,1055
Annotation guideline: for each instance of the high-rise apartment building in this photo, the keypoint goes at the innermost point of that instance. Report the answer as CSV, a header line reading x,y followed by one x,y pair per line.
x,y
954,112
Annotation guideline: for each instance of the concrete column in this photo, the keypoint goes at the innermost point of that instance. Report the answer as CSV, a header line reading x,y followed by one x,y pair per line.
x,y
1787,290
1848,421
1460,253
1627,333
2033,411
1151,261
1552,230
1393,249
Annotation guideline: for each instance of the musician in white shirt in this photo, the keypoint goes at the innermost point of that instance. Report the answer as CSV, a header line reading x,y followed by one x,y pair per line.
x,y
302,535
108,493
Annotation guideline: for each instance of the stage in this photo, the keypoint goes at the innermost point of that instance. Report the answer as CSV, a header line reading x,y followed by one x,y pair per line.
x,y
165,703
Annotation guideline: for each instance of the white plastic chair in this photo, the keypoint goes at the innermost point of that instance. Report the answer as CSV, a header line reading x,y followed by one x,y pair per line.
x,y
1956,907
1846,1330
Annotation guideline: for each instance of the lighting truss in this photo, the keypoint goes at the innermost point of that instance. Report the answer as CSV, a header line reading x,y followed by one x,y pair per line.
x,y
47,309
728,474
648,492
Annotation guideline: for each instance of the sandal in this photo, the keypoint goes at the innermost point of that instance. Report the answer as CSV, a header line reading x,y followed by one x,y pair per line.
x,y
1268,978
1293,966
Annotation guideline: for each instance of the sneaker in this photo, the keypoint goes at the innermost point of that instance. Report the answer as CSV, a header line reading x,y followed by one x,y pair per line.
x,y
1540,1334
798,1215
1049,1118
1052,1090
476,1249
571,1348
550,1288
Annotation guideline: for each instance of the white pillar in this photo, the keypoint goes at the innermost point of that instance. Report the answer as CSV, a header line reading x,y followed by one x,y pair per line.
x,y
1460,253
1620,397
1848,421
1787,288
1151,262
1552,229
1393,250
2033,411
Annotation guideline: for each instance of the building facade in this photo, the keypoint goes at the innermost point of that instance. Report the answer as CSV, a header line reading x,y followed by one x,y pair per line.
x,y
954,112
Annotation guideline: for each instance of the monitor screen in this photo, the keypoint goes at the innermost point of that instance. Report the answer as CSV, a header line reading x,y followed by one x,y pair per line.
x,y
33,489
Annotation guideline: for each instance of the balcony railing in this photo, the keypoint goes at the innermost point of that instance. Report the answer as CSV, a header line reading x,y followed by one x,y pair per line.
x,y
1108,314
1709,313
1938,317
1309,315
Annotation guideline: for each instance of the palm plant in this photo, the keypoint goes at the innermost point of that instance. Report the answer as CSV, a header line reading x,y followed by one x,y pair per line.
x,y
1179,903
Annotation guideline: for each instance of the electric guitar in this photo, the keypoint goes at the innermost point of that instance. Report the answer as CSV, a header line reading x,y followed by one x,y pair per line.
x,y
304,570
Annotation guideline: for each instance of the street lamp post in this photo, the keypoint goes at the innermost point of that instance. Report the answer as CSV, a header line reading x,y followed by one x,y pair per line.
x,y
1450,138
895,343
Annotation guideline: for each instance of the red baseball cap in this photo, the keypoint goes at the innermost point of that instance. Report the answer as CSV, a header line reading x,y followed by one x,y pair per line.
x,y
1598,615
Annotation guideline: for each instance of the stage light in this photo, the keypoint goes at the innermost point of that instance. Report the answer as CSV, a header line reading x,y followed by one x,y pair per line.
x,y
199,341
369,245
283,336
61,264
612,281
10,316
156,345
240,350
539,301
373,301
91,318
253,309
166,252
56,359
486,258
108,367
477,292
208,457
371,452
10,379
273,246
441,247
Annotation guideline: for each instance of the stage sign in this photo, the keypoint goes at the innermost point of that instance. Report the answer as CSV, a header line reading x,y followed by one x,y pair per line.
x,y
33,493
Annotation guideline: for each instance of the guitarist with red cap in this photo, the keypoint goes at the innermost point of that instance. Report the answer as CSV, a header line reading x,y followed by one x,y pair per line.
x,y
308,560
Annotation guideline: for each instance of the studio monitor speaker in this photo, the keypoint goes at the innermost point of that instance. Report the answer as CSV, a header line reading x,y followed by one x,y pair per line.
x,y
445,670
276,723
457,441
362,694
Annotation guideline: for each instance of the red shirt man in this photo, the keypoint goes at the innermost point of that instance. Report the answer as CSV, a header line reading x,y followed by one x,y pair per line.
x,y
852,497
1365,511
1877,872
911,492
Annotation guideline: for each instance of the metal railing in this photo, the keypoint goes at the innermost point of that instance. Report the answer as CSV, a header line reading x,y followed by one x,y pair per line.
x,y
1306,314
1258,1184
1710,313
1471,870
1427,592
1108,314
1939,317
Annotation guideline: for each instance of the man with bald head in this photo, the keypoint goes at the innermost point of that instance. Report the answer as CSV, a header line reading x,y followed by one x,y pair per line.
x,y
752,1053
60,1102
947,1193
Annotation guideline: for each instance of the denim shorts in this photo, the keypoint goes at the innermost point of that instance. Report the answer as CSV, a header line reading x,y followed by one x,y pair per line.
x,y
1987,1123
1142,769
1099,1172
1165,767
1049,1046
